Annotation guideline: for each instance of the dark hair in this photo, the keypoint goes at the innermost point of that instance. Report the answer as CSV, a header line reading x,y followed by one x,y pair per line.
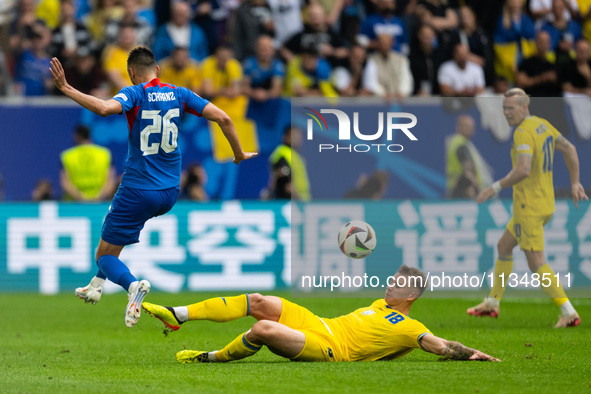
x,y
310,49
178,48
82,132
193,178
225,46
141,58
287,129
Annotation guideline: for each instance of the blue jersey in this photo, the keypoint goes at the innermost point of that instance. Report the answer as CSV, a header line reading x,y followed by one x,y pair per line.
x,y
571,32
321,72
376,24
154,112
31,72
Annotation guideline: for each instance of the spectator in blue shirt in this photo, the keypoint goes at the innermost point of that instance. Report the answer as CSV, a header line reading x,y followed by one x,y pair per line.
x,y
32,70
384,22
180,32
563,33
263,73
309,75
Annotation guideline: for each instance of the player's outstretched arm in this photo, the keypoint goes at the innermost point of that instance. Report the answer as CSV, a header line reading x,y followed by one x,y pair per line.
x,y
98,106
517,174
571,158
214,114
452,350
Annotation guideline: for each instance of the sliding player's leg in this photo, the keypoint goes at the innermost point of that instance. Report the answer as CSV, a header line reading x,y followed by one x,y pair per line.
x,y
503,267
287,329
218,309
280,339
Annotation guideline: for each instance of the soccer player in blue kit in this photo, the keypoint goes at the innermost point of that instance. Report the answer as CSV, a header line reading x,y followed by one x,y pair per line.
x,y
150,183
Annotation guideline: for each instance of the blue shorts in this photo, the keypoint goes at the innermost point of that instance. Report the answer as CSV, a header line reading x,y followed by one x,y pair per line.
x,y
131,208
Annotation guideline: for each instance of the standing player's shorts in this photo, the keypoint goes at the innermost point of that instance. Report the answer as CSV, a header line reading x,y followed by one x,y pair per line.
x,y
131,208
321,344
529,231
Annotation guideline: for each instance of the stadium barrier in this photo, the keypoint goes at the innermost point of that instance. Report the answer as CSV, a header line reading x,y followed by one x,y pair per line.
x,y
49,247
41,128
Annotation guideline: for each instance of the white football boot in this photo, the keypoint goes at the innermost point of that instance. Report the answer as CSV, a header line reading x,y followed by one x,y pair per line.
x,y
134,306
92,292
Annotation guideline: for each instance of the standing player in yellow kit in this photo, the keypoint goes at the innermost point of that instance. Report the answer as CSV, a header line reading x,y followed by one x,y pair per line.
x,y
532,154
381,331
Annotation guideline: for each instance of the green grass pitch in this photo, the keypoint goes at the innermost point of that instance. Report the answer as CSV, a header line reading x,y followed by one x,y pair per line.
x,y
58,344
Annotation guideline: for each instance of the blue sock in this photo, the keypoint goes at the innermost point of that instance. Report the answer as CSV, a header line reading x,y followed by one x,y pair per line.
x,y
116,271
100,274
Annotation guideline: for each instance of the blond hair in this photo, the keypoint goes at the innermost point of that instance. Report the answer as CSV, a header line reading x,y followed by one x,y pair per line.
x,y
518,92
414,276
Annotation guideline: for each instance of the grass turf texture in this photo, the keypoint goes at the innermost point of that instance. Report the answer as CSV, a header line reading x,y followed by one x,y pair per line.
x,y
58,344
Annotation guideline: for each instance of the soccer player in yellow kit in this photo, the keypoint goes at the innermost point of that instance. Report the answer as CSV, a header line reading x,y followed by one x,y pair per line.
x,y
382,331
532,154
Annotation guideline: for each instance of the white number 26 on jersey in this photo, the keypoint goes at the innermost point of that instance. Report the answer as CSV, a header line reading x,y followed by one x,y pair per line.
x,y
160,124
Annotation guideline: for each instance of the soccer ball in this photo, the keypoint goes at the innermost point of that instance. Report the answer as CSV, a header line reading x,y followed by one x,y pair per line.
x,y
357,239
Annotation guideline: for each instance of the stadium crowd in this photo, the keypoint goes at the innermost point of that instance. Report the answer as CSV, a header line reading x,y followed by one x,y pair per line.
x,y
236,50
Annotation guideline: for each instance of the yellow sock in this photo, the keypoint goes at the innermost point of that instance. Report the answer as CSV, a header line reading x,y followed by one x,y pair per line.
x,y
220,309
555,290
238,349
503,268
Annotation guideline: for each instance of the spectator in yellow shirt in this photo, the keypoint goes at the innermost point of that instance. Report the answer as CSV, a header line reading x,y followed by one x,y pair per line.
x,y
115,59
222,76
309,75
179,69
49,12
585,9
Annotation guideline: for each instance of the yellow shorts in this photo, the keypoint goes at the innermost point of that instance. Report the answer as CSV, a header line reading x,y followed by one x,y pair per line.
x,y
320,344
529,231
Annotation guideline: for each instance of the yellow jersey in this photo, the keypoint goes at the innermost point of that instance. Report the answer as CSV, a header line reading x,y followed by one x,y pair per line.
x,y
115,59
534,196
221,78
296,76
584,6
189,77
377,332
88,166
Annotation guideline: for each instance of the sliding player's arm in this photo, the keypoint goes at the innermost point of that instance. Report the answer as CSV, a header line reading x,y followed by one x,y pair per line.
x,y
517,174
452,350
98,106
214,114
571,158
